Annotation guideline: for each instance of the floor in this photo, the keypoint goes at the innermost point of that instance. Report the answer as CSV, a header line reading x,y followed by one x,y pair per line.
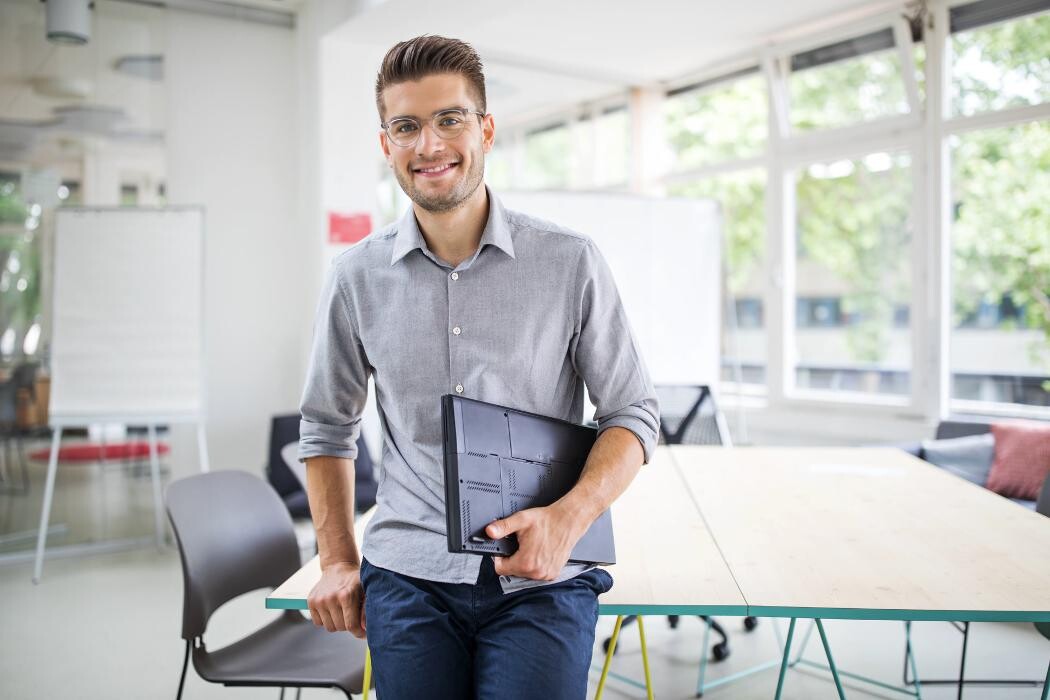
x,y
107,626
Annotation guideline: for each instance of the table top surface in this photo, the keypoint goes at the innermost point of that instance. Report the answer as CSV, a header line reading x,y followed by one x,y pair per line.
x,y
852,533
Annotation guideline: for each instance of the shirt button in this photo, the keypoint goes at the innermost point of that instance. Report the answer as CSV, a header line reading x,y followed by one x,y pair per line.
x,y
456,331
459,388
455,276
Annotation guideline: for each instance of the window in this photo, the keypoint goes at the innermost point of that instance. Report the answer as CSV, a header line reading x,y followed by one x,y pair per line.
x,y
129,195
853,274
547,162
612,139
718,120
997,64
742,196
19,273
847,82
1000,343
498,167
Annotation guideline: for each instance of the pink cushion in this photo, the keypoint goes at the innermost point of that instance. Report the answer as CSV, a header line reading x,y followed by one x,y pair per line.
x,y
1022,459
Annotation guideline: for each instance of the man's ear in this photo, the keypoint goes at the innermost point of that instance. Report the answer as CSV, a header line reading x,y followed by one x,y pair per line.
x,y
385,146
488,132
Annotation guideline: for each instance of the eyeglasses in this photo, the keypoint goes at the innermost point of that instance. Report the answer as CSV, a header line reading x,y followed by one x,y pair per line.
x,y
448,124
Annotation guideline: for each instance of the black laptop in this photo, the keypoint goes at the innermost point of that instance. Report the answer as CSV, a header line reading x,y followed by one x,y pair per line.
x,y
498,461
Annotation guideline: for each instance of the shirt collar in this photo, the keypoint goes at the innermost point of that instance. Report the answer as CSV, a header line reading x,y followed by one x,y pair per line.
x,y
497,231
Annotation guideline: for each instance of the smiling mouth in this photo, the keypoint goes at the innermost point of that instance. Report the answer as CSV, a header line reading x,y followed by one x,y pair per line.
x,y
435,170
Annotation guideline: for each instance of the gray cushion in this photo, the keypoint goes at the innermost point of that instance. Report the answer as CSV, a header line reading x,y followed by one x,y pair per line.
x,y
967,457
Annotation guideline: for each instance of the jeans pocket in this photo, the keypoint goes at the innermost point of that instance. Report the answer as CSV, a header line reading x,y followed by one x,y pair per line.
x,y
366,569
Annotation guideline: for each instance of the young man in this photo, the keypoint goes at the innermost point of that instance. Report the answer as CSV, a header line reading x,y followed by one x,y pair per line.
x,y
465,297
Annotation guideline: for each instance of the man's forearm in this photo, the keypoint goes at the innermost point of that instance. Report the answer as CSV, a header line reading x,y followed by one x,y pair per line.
x,y
330,489
613,463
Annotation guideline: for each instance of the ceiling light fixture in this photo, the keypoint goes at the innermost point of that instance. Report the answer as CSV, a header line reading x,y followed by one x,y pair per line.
x,y
69,21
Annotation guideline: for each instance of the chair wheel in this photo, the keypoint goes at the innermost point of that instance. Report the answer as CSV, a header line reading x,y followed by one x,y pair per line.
x,y
720,651
605,646
672,621
750,623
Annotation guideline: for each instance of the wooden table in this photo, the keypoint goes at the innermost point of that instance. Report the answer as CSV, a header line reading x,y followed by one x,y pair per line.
x,y
667,562
820,533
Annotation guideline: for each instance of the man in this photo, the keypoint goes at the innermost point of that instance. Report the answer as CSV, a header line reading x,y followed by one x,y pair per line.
x,y
462,296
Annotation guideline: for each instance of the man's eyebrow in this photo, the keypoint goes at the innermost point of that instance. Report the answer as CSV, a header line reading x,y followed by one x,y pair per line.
x,y
439,111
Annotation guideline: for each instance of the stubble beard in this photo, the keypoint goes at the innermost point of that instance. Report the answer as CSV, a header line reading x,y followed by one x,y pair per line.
x,y
459,192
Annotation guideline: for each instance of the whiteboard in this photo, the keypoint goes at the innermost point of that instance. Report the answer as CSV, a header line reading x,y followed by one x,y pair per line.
x,y
127,323
665,257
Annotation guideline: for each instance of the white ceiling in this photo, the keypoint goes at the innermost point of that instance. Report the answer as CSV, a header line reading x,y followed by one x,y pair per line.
x,y
549,52
539,55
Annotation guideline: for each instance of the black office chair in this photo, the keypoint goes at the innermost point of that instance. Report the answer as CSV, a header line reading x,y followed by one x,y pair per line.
x,y
22,380
285,430
234,536
690,416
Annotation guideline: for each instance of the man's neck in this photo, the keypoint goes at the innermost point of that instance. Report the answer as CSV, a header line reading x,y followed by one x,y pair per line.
x,y
454,235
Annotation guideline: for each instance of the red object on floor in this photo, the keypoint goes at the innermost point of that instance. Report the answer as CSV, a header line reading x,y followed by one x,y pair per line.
x,y
94,453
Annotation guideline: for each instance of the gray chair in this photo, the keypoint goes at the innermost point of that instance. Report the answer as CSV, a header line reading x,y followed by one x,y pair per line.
x,y
234,536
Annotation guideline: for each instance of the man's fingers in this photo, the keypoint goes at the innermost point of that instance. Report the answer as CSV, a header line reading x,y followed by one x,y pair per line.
x,y
506,526
314,615
326,618
500,565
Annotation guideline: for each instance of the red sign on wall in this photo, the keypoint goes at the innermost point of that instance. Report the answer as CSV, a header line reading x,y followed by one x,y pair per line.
x,y
348,228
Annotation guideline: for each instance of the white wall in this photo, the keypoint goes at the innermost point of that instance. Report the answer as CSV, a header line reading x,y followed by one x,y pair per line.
x,y
232,147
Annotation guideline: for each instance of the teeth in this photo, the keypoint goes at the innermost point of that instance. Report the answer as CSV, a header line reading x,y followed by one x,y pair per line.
x,y
437,168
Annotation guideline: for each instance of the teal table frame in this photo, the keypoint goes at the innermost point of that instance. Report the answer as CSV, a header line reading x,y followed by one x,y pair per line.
x,y
818,615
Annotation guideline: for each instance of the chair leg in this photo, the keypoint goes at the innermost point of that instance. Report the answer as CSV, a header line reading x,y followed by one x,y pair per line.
x,y
298,692
185,664
720,650
281,696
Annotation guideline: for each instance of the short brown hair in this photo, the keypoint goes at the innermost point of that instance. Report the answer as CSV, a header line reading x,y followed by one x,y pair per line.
x,y
427,55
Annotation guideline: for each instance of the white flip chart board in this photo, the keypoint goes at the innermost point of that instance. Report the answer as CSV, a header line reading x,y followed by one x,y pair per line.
x,y
665,257
127,324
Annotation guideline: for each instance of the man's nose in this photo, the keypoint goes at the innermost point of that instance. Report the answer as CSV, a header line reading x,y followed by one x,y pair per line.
x,y
429,141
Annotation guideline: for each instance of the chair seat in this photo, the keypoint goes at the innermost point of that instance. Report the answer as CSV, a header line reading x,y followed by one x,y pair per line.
x,y
290,651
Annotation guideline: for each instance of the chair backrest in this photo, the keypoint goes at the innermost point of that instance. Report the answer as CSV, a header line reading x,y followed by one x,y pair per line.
x,y
24,377
8,402
689,415
948,429
285,430
234,536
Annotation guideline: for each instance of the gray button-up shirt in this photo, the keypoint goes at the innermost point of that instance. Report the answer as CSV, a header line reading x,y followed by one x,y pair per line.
x,y
525,323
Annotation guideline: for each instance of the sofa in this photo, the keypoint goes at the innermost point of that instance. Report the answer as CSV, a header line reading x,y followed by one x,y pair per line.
x,y
963,447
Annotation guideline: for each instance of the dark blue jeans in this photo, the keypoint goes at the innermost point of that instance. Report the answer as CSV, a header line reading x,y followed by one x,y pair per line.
x,y
460,640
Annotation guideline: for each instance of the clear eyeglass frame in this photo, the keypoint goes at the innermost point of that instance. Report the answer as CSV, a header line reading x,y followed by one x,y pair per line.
x,y
396,128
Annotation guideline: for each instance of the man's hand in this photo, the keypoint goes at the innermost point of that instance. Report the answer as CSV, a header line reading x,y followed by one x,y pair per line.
x,y
338,601
546,537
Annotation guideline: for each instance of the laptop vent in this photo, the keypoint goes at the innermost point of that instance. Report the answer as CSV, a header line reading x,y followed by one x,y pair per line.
x,y
482,486
465,517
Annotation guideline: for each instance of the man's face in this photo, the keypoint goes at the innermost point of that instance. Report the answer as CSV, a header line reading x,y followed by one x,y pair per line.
x,y
437,174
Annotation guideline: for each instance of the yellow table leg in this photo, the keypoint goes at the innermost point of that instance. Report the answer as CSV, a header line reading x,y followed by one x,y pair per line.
x,y
608,656
366,687
645,659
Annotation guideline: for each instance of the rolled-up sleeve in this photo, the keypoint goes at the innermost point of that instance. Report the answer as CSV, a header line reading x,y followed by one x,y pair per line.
x,y
336,379
606,356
